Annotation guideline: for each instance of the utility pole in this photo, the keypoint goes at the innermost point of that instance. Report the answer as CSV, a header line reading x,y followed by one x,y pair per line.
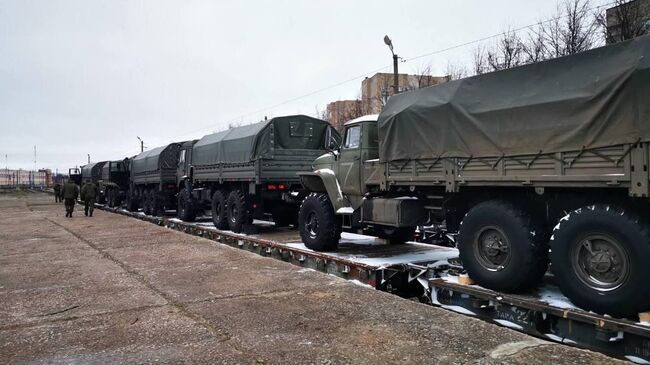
x,y
141,144
389,43
89,158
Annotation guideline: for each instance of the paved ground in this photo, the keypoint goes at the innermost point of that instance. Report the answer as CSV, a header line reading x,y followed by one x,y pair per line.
x,y
111,289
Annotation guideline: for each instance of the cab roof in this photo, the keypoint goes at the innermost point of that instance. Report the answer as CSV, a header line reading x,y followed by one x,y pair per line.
x,y
365,118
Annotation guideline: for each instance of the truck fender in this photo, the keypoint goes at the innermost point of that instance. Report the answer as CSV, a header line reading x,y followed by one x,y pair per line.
x,y
324,180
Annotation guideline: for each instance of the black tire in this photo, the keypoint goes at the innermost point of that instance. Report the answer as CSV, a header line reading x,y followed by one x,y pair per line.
x,y
219,210
154,202
599,259
320,229
131,203
146,202
185,207
502,247
238,212
395,235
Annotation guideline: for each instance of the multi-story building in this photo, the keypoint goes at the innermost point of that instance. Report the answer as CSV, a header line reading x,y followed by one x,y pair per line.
x,y
628,20
339,112
375,91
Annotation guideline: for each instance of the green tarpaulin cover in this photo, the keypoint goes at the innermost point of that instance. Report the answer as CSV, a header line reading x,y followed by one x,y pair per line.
x,y
593,99
155,159
250,142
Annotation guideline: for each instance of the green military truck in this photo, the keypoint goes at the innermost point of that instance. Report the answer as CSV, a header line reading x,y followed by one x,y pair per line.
x,y
93,172
115,182
250,171
152,180
552,155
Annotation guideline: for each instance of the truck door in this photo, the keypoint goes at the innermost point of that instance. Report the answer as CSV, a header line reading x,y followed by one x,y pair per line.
x,y
350,161
183,162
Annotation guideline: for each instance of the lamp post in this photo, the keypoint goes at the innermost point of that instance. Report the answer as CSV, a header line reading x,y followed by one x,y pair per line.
x,y
141,144
389,43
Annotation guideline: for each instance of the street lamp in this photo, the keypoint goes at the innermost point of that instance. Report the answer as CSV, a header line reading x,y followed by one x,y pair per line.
x,y
141,144
389,43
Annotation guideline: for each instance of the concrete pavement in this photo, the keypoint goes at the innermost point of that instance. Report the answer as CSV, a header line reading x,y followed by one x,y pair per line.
x,y
111,289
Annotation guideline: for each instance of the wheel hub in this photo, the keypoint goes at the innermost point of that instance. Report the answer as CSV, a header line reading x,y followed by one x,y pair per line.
x,y
312,224
492,248
601,262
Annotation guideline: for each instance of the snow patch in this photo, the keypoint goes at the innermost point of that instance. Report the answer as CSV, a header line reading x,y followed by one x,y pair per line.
x,y
554,298
509,324
554,337
636,360
345,210
357,282
458,309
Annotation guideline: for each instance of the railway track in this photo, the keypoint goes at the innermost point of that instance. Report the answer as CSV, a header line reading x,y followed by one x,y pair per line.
x,y
430,273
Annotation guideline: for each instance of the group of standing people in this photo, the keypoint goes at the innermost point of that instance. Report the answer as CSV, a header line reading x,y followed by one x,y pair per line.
x,y
69,192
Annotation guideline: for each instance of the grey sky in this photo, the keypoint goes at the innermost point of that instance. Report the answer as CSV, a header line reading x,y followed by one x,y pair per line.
x,y
80,77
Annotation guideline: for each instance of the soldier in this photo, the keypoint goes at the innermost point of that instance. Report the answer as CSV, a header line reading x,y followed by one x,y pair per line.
x,y
69,193
88,194
57,192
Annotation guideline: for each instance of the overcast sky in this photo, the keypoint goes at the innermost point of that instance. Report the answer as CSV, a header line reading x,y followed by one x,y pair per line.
x,y
79,77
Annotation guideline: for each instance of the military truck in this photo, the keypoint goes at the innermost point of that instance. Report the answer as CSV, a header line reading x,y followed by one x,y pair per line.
x,y
549,155
152,180
74,174
93,172
115,181
250,171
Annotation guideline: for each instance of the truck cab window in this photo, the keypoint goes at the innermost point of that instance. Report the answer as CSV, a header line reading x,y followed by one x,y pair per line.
x,y
181,157
352,137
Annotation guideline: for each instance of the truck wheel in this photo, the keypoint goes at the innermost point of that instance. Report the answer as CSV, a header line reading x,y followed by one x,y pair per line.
x,y
320,229
185,207
219,211
154,202
502,248
599,259
146,202
395,235
237,208
109,198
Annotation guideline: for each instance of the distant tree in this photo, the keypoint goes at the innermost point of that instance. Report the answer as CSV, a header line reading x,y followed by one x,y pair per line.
x,y
534,47
630,19
580,28
424,76
507,52
479,61
455,71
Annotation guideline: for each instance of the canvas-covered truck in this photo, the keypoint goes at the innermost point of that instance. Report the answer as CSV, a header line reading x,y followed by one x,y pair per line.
x,y
544,161
115,181
152,180
250,171
93,172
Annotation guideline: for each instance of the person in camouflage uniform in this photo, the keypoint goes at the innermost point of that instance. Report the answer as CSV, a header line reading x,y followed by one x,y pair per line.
x,y
69,192
88,194
57,193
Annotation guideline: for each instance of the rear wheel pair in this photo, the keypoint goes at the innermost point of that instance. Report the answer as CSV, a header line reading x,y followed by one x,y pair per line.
x,y
150,202
230,210
597,254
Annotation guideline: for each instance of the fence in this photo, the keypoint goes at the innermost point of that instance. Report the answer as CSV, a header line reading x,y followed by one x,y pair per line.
x,y
25,178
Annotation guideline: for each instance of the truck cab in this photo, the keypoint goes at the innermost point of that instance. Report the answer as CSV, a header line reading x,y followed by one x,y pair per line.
x,y
342,182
